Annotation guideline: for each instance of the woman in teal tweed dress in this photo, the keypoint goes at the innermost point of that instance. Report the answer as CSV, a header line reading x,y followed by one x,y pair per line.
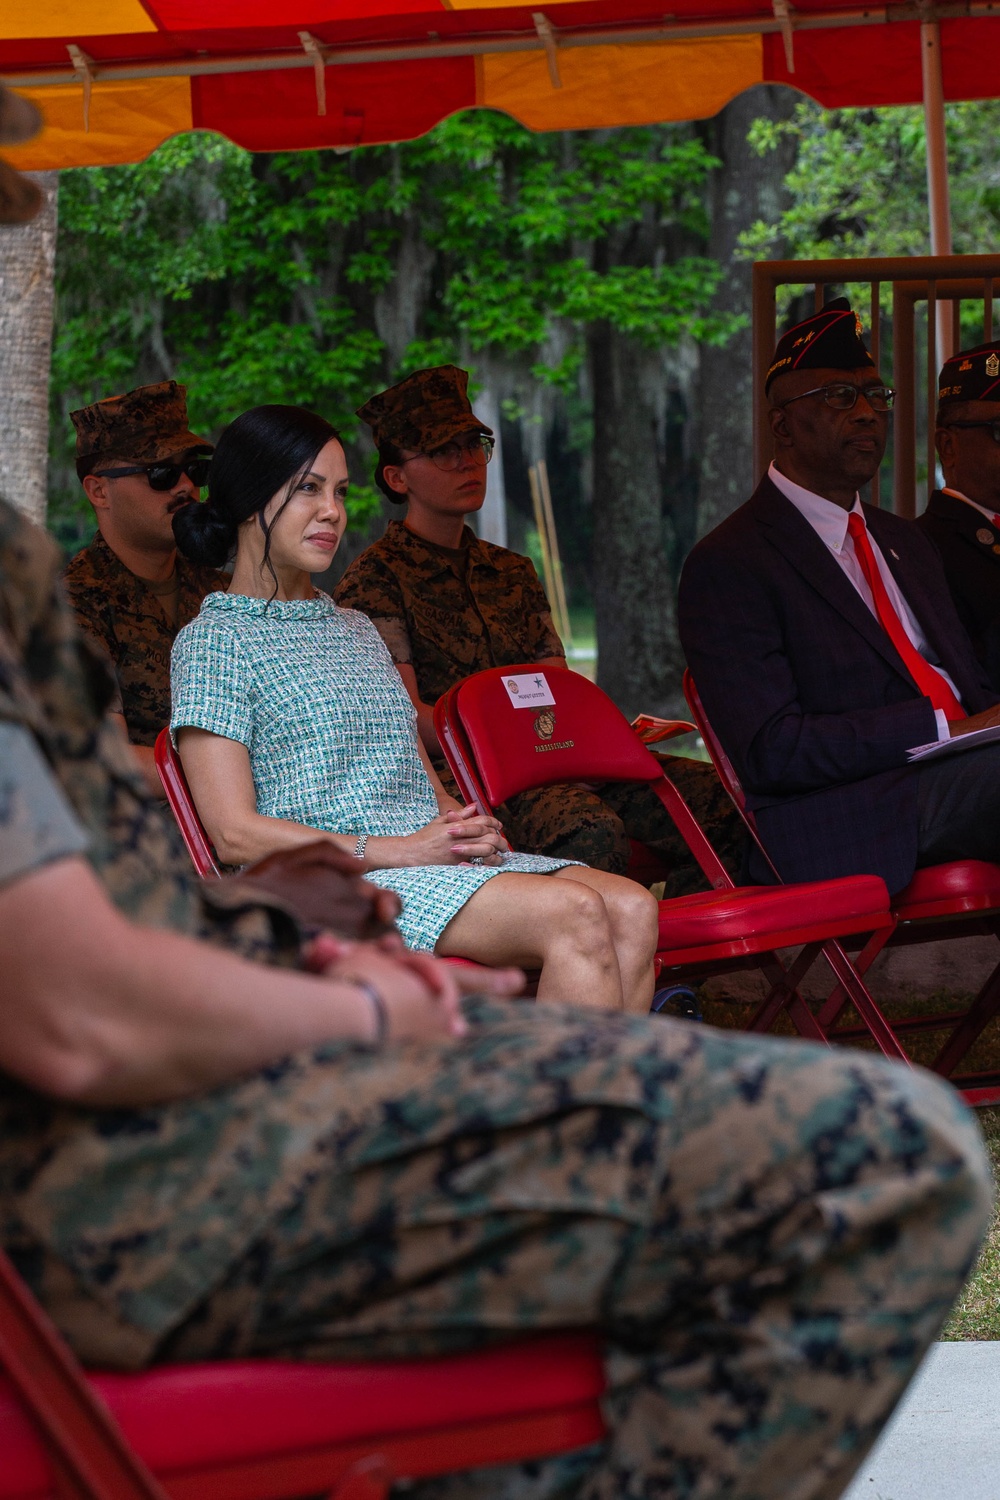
x,y
291,721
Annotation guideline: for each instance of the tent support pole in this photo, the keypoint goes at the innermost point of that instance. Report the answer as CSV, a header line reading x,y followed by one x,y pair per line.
x,y
938,199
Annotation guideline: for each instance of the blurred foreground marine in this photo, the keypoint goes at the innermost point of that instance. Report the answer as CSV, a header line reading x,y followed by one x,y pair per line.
x,y
205,1157
963,518
132,592
447,605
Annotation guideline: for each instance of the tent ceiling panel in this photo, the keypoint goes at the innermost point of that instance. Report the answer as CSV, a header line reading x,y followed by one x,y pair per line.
x,y
369,103
603,86
47,18
115,77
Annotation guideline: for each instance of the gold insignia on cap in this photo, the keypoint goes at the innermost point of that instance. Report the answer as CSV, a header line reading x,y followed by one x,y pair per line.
x,y
992,365
985,536
965,365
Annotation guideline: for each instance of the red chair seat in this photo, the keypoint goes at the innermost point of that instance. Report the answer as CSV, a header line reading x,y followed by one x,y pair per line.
x,y
208,1419
960,886
854,903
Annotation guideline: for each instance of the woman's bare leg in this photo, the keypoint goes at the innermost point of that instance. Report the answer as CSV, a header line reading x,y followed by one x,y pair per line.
x,y
634,916
560,926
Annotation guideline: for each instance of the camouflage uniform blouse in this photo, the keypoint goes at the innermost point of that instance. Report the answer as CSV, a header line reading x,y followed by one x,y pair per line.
x,y
72,788
129,622
448,612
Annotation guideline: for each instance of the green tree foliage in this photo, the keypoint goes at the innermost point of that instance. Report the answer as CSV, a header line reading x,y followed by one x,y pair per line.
x,y
859,183
312,277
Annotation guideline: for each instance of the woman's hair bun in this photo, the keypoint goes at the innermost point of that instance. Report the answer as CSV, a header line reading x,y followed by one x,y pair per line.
x,y
202,534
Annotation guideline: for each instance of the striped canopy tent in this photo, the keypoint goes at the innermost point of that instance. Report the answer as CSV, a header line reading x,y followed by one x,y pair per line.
x,y
114,78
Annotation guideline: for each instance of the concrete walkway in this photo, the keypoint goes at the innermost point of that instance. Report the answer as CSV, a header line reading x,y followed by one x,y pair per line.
x,y
943,1442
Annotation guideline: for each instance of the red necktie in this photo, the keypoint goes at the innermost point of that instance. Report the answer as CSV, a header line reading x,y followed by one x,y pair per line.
x,y
928,678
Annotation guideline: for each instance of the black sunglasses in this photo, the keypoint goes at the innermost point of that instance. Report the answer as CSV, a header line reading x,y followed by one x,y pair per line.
x,y
993,426
164,475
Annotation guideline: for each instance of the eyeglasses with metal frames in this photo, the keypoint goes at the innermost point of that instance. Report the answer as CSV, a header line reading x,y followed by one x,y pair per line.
x,y
450,455
842,396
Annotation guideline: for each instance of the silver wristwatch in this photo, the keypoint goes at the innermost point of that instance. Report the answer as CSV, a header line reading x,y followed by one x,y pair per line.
x,y
359,848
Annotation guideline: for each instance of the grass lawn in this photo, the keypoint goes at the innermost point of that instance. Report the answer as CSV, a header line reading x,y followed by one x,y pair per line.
x,y
977,1311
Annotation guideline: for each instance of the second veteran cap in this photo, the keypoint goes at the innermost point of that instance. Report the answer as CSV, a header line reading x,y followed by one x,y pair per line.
x,y
148,424
424,411
829,340
972,375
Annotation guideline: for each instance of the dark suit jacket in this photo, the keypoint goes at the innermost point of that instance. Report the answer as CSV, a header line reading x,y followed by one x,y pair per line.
x,y
806,691
970,551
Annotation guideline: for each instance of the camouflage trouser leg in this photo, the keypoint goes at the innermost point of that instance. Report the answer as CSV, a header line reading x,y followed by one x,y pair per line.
x,y
573,822
767,1233
645,818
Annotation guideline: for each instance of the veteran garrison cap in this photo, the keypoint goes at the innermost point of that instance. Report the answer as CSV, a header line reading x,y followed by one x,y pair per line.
x,y
829,340
424,411
972,375
148,424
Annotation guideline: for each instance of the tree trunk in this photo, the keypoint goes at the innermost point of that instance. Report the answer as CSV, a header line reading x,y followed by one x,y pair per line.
x,y
27,286
638,658
745,189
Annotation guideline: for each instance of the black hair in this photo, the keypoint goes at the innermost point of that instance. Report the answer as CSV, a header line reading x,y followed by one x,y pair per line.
x,y
265,448
388,453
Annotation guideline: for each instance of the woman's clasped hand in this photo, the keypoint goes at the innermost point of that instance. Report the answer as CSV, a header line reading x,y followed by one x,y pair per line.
x,y
456,836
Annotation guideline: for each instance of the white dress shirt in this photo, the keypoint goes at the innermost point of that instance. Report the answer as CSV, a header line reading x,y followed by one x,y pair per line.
x,y
829,521
989,514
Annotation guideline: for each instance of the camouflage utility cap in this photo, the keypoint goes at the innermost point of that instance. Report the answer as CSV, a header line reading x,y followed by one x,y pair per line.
x,y
148,424
426,410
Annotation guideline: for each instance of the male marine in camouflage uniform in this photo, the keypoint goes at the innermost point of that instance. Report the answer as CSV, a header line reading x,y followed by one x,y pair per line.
x,y
766,1233
447,604
131,590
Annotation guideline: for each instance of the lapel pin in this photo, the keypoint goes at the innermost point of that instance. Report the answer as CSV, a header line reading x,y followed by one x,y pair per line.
x,y
894,553
984,536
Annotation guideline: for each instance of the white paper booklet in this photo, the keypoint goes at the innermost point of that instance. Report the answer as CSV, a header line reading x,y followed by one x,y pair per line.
x,y
970,741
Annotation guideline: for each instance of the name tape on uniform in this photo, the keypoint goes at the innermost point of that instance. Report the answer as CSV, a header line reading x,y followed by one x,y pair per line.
x,y
528,690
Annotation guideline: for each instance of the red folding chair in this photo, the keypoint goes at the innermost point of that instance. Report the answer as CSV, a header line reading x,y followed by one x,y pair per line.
x,y
274,1429
496,749
181,804
957,899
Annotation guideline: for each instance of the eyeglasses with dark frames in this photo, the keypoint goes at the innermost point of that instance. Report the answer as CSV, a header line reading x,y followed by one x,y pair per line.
x,y
842,396
450,455
993,426
164,475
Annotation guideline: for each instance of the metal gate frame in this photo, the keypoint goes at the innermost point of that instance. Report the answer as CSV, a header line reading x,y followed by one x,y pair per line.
x,y
914,278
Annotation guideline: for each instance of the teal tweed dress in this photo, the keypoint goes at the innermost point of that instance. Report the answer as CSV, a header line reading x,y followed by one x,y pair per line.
x,y
312,692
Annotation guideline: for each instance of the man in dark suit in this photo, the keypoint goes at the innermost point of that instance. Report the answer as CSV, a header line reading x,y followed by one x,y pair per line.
x,y
963,519
825,644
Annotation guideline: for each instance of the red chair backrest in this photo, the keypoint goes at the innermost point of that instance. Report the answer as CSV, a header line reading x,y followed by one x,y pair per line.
x,y
723,765
581,737
181,804
497,748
